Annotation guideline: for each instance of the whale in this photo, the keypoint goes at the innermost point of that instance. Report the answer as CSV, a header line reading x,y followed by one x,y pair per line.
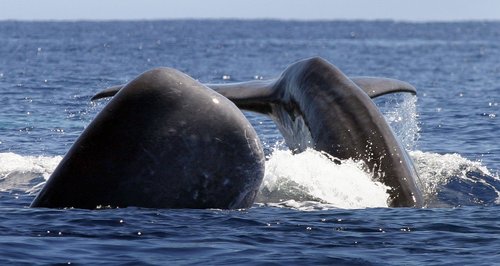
x,y
164,141
315,105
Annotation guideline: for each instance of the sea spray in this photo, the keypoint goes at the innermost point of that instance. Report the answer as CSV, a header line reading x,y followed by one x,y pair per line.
x,y
443,174
314,176
312,180
25,173
400,111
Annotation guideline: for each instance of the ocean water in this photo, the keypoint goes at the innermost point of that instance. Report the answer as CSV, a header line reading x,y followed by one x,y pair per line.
x,y
309,210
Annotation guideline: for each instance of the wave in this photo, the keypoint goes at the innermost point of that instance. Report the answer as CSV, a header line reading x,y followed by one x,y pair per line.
x,y
452,180
314,181
25,173
311,181
312,176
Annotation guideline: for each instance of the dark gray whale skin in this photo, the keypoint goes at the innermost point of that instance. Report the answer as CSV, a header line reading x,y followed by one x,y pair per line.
x,y
164,141
316,106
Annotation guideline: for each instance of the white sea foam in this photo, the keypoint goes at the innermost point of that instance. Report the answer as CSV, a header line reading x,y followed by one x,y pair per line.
x,y
297,180
436,170
307,181
25,173
313,181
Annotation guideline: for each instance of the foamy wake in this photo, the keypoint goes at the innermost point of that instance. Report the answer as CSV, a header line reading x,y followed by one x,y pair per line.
x,y
25,173
311,181
307,181
437,170
301,180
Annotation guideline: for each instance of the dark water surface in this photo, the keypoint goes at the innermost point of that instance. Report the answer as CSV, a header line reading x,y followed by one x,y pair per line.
x,y
49,71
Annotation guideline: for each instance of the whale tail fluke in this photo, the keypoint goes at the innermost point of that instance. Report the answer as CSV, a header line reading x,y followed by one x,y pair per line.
x,y
375,86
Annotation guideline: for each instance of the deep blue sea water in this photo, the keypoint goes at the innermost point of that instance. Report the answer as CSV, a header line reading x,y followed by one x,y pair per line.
x,y
309,213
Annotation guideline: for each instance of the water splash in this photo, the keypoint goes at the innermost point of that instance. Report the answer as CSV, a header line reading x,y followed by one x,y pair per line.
x,y
451,180
312,176
400,111
25,173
